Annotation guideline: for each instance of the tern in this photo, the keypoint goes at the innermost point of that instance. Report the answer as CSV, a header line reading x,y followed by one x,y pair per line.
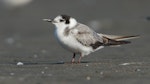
x,y
81,39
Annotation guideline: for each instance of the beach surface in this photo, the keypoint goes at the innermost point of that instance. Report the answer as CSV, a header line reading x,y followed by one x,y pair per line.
x,y
30,54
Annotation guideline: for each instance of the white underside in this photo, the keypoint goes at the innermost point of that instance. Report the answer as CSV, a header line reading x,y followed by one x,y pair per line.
x,y
71,44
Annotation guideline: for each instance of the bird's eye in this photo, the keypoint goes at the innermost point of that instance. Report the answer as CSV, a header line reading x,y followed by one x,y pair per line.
x,y
61,20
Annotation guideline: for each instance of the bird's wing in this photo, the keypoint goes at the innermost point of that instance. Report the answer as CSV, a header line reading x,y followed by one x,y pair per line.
x,y
87,36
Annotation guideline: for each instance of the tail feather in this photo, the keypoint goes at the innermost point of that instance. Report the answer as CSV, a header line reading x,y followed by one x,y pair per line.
x,y
112,42
119,38
126,37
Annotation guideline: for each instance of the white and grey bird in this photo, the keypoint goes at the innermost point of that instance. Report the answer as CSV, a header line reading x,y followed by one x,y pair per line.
x,y
80,39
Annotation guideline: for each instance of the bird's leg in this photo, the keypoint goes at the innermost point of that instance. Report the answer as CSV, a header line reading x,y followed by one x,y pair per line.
x,y
73,58
80,58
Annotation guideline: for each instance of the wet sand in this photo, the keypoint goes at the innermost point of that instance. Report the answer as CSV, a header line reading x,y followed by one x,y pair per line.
x,y
29,53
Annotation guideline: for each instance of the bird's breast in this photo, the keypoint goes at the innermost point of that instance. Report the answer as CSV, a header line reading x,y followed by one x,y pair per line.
x,y
70,43
67,41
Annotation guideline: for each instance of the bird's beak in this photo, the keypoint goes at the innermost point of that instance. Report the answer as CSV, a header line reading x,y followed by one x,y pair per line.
x,y
47,20
50,20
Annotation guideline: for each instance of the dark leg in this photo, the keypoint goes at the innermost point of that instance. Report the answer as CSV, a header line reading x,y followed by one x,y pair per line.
x,y
73,58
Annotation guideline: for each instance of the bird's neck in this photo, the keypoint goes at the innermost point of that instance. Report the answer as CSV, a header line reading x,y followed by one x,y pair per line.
x,y
72,24
60,29
60,26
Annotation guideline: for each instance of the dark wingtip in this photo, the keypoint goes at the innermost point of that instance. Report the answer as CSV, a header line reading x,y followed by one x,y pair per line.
x,y
122,42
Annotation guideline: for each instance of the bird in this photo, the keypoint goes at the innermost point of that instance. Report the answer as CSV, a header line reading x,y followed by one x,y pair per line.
x,y
80,39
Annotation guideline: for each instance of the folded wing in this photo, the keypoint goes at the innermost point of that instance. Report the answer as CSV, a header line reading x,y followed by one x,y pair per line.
x,y
87,37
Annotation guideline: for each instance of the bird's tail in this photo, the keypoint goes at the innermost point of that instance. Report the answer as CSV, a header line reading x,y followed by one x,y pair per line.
x,y
113,40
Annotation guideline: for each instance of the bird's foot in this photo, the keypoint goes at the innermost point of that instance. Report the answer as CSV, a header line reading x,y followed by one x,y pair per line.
x,y
73,61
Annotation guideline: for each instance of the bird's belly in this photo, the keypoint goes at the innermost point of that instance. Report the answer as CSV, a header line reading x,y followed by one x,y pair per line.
x,y
71,44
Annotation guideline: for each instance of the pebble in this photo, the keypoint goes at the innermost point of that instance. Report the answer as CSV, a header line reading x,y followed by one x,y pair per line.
x,y
101,73
86,65
14,3
88,78
137,70
12,74
20,63
42,72
43,51
125,64
35,55
10,40
45,67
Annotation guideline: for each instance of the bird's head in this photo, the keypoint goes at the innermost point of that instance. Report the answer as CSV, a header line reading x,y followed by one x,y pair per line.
x,y
63,21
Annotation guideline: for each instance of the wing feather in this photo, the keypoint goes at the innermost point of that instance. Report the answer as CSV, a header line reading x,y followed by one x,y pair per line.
x,y
87,36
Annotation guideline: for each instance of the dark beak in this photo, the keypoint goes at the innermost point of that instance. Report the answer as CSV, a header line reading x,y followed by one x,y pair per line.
x,y
47,20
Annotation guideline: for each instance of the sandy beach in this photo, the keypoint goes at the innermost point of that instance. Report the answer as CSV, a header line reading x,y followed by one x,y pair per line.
x,y
30,54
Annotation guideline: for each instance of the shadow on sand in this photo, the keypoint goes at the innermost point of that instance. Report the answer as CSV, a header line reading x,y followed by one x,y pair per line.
x,y
43,63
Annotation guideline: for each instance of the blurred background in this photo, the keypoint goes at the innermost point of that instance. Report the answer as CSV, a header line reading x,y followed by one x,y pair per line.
x,y
22,30
25,37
